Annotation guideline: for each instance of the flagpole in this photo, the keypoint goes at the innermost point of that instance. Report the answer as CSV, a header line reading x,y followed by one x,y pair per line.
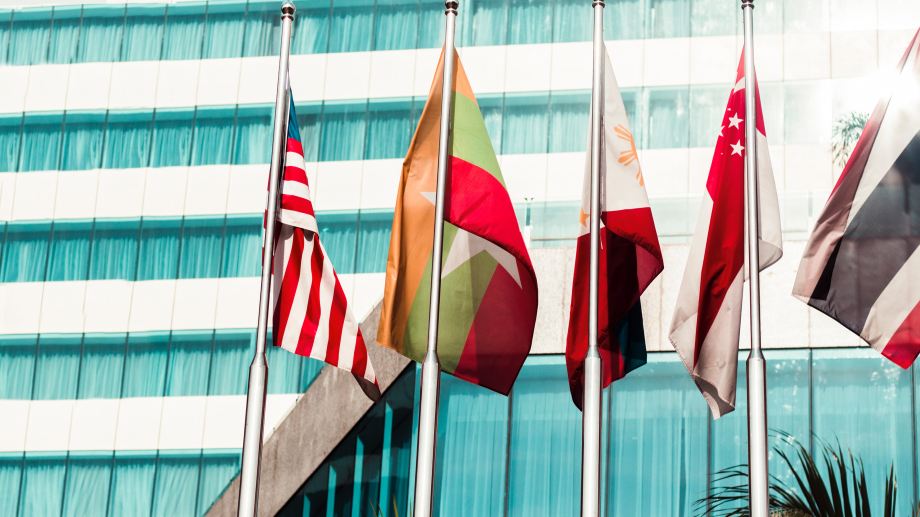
x,y
431,369
258,369
756,364
591,415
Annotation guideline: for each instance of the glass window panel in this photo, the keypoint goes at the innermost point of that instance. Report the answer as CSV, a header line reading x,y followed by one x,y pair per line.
x,y
213,136
492,111
65,33
223,27
202,242
189,363
530,22
69,256
431,24
308,121
669,18
807,110
172,138
490,23
132,485
707,106
41,150
10,474
101,34
145,366
396,26
10,129
667,118
806,16
242,248
554,221
285,367
350,27
42,480
230,363
176,486
57,368
82,145
261,36
716,17
25,253
338,233
143,32
311,32
216,474
525,124
17,363
29,37
389,130
374,242
184,31
127,140
253,135
158,257
102,366
343,132
769,16
6,22
87,490
623,19
467,477
569,122
571,21
114,251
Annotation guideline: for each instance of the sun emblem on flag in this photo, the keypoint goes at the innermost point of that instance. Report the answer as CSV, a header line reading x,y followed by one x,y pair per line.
x,y
630,156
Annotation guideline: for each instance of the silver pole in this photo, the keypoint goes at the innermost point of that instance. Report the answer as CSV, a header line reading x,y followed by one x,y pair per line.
x,y
258,370
591,415
756,364
431,370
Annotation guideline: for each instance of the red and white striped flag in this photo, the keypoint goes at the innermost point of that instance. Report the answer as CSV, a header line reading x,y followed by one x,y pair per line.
x,y
311,316
707,320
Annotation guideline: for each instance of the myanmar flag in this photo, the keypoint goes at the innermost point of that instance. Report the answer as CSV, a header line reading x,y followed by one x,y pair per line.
x,y
488,285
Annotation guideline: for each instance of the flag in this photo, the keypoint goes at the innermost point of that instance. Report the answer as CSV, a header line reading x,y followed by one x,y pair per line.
x,y
311,316
629,256
488,286
707,320
862,263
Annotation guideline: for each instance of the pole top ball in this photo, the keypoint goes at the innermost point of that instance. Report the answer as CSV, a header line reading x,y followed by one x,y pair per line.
x,y
288,9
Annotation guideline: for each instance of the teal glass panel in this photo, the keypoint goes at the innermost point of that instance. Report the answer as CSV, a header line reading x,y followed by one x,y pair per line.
x,y
184,31
492,109
145,365
668,116
308,120
17,364
41,150
311,32
202,242
224,25
396,25
57,368
707,106
717,18
490,23
114,250
338,233
189,364
10,130
127,140
286,368
10,475
525,125
82,144
253,140
344,131
853,382
87,490
102,366
431,24
216,473
625,19
41,492
25,253
315,493
230,363
176,485
65,34
69,255
572,20
158,257
143,36
351,27
530,22
631,101
172,138
213,139
309,371
568,126
101,34
657,433
544,457
668,18
242,248
770,16
6,26
132,485
373,241
389,129
29,37
262,33
470,478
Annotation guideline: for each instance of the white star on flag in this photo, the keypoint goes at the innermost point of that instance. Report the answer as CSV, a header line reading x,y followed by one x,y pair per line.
x,y
734,120
737,148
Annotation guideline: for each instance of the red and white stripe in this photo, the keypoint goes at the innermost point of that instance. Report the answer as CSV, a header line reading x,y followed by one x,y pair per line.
x,y
311,316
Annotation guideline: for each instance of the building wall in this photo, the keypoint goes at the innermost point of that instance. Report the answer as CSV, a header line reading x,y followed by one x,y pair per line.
x,y
133,147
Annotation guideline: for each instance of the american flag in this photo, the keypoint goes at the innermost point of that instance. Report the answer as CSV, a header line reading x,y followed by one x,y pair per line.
x,y
311,316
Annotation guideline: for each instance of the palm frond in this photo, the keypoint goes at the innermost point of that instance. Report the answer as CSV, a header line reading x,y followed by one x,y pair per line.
x,y
846,133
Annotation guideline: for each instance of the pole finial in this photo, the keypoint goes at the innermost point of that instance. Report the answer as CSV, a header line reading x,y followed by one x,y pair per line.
x,y
598,3
451,6
287,9
747,3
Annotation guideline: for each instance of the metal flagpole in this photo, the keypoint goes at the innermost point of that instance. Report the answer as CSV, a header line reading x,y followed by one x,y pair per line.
x,y
258,370
431,370
756,364
591,416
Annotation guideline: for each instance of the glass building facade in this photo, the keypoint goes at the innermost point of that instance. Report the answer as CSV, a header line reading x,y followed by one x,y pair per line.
x,y
134,142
